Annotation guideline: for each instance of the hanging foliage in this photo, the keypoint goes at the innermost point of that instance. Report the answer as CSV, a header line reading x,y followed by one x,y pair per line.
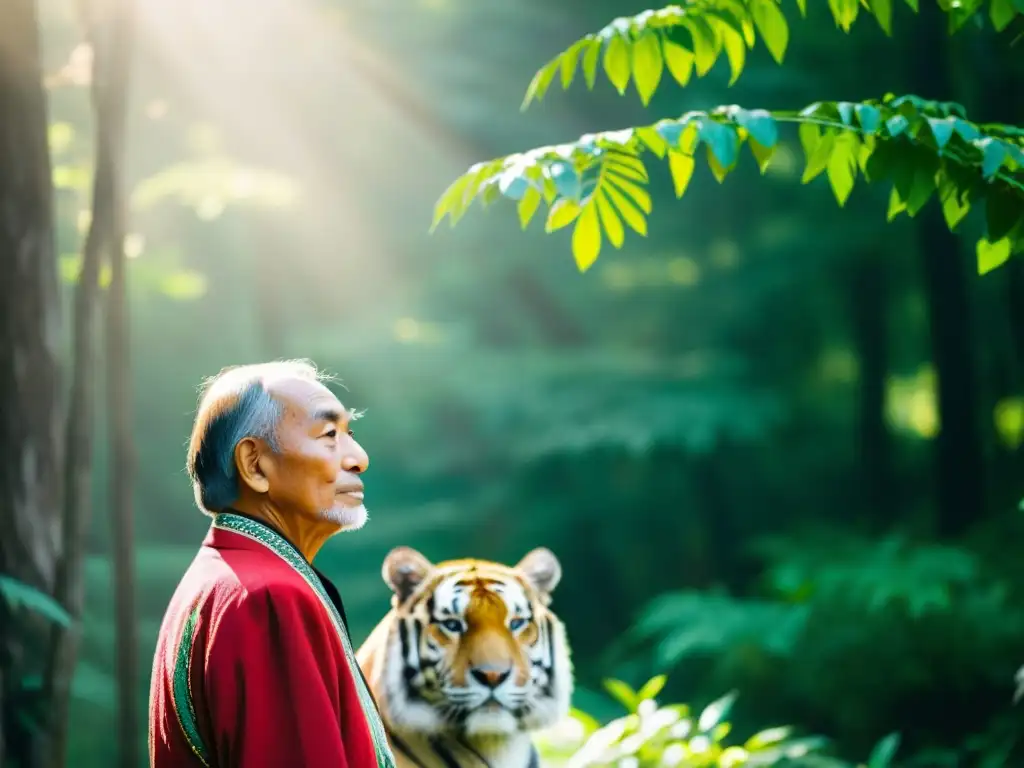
x,y
598,183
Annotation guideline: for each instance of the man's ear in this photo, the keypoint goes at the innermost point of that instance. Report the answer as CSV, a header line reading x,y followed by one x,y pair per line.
x,y
404,570
250,461
542,569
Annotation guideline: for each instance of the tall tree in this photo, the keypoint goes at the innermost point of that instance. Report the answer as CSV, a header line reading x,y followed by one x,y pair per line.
x,y
119,403
109,32
960,464
29,331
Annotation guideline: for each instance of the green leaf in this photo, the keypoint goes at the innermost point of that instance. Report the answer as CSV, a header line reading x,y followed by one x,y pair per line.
x,y
705,51
882,10
763,155
616,63
622,693
896,205
993,153
629,212
619,168
722,141
652,687
450,201
716,712
954,207
967,131
586,238
921,187
767,738
760,125
18,594
842,166
637,194
735,51
562,214
810,135
527,206
610,219
942,130
591,56
647,65
679,61
884,751
1001,12
992,255
681,167
818,159
844,12
540,82
567,63
773,28
718,170
652,140
869,117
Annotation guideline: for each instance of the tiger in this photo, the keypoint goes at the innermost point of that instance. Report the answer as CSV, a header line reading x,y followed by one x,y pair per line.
x,y
469,661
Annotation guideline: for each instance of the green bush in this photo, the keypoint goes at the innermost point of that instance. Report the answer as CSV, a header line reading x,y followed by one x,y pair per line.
x,y
651,734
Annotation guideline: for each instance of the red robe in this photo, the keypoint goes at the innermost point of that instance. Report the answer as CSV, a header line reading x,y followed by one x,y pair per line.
x,y
253,664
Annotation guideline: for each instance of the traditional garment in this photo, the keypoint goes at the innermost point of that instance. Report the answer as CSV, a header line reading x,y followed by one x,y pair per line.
x,y
254,667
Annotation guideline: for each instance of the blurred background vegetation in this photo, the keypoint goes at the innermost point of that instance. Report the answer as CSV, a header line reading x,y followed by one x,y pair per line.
x,y
731,433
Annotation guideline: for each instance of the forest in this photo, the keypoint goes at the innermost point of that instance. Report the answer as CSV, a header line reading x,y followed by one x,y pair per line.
x,y
763,398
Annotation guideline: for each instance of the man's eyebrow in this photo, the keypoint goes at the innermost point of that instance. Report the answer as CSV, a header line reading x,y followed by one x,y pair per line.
x,y
331,414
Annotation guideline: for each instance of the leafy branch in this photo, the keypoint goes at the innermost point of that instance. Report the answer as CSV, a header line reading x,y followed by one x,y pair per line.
x,y
924,148
691,38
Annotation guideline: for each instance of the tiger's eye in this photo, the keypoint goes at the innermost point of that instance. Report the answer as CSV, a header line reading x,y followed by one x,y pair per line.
x,y
452,625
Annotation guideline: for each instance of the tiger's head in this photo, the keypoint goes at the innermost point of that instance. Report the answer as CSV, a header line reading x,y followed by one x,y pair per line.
x,y
470,646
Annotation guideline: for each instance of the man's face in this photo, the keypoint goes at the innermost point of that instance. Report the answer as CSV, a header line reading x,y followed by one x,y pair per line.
x,y
316,472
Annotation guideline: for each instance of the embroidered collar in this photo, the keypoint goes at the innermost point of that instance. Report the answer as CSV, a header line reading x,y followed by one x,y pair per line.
x,y
266,535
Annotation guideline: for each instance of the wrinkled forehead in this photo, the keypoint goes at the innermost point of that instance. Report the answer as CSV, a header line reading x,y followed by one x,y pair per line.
x,y
455,592
308,399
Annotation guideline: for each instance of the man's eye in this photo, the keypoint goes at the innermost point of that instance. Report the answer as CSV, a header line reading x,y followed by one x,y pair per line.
x,y
331,433
452,625
517,624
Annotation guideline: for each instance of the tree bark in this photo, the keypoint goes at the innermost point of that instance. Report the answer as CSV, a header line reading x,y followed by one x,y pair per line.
x,y
869,298
959,455
108,31
29,332
119,410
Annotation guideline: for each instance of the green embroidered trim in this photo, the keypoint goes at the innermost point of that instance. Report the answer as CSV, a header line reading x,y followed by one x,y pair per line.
x,y
280,547
184,705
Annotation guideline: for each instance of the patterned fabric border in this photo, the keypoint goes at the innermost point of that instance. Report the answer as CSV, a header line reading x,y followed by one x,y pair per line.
x,y
280,547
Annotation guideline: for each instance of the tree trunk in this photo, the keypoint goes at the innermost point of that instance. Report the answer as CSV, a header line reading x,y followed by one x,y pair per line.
x,y
869,310
959,459
68,589
122,465
122,517
108,31
29,333
112,118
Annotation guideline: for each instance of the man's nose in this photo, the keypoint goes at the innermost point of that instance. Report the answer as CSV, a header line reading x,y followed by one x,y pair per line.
x,y
355,459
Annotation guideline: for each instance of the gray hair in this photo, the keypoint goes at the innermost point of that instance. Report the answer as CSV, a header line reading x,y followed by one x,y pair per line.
x,y
235,404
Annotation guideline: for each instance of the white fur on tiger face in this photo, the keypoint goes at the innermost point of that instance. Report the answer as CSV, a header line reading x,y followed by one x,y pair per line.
x,y
470,647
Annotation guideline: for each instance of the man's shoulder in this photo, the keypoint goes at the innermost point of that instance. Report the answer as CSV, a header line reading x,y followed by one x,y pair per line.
x,y
220,583
252,575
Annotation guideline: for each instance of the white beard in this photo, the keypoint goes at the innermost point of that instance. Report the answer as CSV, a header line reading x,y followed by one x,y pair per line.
x,y
346,518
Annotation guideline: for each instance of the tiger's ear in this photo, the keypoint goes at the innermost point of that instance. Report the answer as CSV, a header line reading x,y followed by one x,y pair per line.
x,y
404,570
542,569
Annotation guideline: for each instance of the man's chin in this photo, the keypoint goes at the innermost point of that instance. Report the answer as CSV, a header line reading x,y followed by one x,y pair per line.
x,y
346,518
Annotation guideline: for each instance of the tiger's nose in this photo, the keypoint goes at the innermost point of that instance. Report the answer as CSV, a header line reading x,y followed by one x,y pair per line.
x,y
489,675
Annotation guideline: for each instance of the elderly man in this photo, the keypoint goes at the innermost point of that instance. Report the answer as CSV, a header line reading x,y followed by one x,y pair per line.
x,y
254,666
